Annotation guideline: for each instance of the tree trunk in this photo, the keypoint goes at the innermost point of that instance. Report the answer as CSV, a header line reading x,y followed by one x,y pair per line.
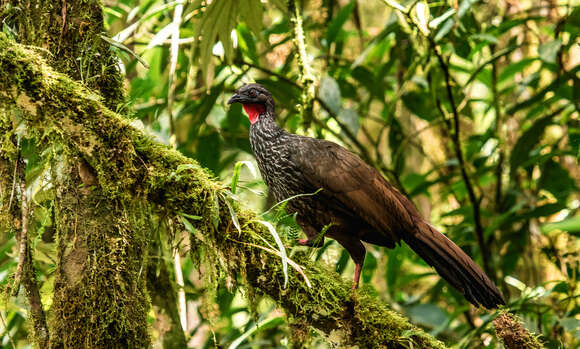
x,y
100,297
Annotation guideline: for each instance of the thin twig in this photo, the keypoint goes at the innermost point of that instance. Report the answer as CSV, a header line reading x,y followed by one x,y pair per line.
x,y
22,240
6,330
25,271
174,53
455,138
306,76
498,133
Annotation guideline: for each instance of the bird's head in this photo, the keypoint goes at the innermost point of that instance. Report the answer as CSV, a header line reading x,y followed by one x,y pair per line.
x,y
255,99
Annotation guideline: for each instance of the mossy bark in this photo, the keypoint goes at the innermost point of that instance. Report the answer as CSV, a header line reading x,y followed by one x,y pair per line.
x,y
129,164
100,297
8,159
69,32
164,299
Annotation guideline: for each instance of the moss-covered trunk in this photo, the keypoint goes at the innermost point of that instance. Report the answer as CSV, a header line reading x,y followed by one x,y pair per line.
x,y
100,298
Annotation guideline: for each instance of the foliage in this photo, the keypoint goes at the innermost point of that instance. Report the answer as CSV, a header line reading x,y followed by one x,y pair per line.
x,y
470,108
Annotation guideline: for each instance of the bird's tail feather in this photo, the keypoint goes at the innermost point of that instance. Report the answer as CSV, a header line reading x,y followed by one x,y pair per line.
x,y
453,265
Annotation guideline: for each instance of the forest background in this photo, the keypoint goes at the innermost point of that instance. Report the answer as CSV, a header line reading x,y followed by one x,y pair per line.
x,y
131,211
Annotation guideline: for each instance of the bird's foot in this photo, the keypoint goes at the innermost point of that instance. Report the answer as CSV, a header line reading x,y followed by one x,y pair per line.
x,y
311,243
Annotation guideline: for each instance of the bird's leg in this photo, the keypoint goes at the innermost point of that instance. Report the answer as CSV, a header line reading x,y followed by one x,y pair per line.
x,y
316,242
357,270
357,252
314,239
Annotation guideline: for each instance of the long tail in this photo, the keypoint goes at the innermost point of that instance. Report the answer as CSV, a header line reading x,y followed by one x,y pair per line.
x,y
453,265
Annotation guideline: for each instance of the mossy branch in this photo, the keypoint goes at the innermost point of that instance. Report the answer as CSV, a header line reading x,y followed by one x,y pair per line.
x,y
307,78
128,163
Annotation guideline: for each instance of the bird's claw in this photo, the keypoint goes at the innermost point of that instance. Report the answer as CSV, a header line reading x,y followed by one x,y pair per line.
x,y
311,243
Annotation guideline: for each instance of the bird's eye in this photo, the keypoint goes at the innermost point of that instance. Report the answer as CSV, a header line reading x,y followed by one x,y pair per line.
x,y
252,93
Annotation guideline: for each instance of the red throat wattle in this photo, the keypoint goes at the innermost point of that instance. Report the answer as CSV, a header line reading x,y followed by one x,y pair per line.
x,y
254,111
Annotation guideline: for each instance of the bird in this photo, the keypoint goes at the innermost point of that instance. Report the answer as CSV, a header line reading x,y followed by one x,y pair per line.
x,y
337,195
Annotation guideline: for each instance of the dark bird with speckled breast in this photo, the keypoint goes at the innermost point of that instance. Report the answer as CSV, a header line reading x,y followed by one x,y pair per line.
x,y
356,202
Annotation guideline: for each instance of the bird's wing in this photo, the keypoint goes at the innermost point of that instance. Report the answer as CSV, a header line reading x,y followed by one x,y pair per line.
x,y
367,194
357,186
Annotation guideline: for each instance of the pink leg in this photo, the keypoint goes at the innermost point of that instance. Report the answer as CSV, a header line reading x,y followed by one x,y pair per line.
x,y
313,240
357,252
357,270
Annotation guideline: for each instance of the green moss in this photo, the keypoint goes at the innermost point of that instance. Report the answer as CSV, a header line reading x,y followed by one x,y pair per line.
x,y
100,298
70,38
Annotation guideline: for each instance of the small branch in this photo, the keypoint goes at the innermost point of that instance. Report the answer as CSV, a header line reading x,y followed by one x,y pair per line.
x,y
306,76
182,305
498,132
267,71
22,238
455,137
25,274
174,53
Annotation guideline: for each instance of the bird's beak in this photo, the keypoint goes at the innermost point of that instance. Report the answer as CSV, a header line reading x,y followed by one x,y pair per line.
x,y
236,98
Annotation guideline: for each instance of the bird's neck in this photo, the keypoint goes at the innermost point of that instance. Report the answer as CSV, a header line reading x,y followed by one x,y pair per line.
x,y
264,129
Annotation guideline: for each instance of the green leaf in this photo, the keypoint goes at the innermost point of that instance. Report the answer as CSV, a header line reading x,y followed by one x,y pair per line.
x,y
515,67
187,224
368,80
434,24
247,43
422,14
238,169
190,216
265,325
428,314
342,262
445,29
553,86
329,92
281,248
420,104
251,12
527,141
337,22
349,118
369,268
556,179
549,50
217,22
496,56
464,7
208,151
394,263
233,215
